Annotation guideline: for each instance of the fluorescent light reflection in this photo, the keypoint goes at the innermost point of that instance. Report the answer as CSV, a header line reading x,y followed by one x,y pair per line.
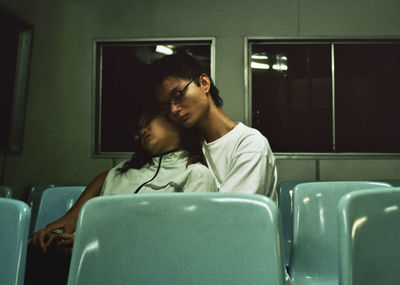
x,y
391,208
357,224
164,50
190,208
280,67
92,246
257,65
259,56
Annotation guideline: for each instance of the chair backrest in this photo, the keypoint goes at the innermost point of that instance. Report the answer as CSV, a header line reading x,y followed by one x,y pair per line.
x,y
14,229
54,203
315,251
393,182
35,194
285,201
5,192
369,236
178,238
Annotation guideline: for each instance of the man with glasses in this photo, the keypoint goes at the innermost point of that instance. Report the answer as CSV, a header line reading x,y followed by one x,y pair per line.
x,y
239,157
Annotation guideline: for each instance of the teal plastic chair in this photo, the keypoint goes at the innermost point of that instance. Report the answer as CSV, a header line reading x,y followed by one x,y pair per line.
x,y
369,236
5,192
178,238
54,203
35,194
14,229
285,201
314,257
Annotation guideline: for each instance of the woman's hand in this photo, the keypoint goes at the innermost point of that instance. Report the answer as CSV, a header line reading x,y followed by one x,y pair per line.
x,y
64,243
44,237
67,223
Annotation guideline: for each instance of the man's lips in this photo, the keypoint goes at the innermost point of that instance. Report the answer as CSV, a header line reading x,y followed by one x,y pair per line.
x,y
183,118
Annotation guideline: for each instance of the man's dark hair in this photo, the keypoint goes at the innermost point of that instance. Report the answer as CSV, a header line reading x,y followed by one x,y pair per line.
x,y
182,65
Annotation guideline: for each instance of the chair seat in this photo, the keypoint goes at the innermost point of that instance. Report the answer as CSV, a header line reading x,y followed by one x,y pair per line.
x,y
315,248
14,225
285,194
369,237
178,238
55,202
5,192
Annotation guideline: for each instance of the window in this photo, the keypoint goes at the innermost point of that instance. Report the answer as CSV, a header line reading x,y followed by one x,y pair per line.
x,y
326,96
15,50
123,87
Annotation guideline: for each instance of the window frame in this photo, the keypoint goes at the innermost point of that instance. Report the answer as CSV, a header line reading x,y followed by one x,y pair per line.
x,y
311,40
21,84
97,83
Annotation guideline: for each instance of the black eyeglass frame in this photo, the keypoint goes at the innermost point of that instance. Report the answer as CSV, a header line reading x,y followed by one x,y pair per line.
x,y
175,98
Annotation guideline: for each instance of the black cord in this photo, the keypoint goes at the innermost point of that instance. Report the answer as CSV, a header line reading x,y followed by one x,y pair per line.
x,y
158,169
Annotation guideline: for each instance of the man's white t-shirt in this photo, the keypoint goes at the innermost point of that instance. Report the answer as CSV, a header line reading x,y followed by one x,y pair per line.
x,y
242,161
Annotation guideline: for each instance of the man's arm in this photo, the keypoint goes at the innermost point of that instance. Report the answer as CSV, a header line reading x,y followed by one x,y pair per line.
x,y
200,180
67,223
252,173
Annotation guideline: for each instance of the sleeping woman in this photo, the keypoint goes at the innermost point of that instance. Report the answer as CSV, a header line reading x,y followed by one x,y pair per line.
x,y
167,159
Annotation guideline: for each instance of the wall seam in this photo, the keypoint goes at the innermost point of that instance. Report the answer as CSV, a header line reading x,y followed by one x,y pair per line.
x,y
298,17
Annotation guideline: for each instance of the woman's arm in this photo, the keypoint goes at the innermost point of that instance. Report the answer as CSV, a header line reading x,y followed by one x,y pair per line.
x,y
67,223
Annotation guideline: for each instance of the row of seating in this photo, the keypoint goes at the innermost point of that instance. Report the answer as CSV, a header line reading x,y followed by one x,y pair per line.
x,y
232,241
217,238
46,203
47,206
285,200
14,224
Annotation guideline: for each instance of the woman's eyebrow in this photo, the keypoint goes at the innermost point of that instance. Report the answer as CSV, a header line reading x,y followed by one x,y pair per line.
x,y
173,91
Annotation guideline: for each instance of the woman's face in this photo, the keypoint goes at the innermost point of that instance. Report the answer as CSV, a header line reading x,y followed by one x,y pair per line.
x,y
160,135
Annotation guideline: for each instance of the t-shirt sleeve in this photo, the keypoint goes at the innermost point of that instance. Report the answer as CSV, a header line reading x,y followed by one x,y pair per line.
x,y
200,180
252,171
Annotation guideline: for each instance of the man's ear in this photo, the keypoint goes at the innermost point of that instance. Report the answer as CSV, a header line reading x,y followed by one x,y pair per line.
x,y
205,82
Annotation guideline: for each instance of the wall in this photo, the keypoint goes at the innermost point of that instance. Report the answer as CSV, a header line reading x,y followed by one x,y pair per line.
x,y
59,119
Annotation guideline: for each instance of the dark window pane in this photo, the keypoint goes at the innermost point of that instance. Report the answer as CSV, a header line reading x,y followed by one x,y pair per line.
x,y
8,54
15,46
291,96
123,87
367,97
123,97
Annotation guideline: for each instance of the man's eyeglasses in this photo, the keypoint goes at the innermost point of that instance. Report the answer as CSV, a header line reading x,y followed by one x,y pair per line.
x,y
176,96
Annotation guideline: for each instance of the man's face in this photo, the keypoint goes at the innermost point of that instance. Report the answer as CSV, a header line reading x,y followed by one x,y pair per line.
x,y
193,105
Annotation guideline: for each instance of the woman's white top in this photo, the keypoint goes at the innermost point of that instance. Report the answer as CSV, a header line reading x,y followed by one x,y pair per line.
x,y
173,176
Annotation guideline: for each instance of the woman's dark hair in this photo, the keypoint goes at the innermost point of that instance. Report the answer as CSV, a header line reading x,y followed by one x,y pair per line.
x,y
182,65
190,141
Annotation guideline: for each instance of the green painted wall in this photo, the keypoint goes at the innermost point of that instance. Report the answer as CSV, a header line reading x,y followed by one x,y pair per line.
x,y
59,118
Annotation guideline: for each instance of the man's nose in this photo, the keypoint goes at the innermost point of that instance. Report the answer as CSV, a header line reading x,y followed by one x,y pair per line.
x,y
175,108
